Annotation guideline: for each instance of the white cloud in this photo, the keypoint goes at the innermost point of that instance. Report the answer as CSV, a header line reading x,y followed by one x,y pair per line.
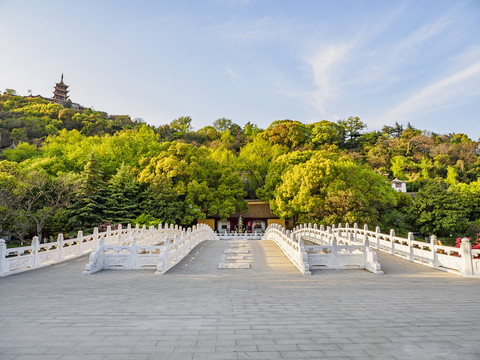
x,y
325,65
438,95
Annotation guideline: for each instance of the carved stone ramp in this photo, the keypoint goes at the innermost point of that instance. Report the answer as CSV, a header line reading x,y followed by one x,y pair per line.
x,y
263,257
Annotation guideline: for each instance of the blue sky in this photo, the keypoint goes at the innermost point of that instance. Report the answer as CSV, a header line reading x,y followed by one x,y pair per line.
x,y
253,60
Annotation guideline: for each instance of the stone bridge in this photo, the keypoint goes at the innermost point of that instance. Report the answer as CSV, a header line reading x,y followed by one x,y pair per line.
x,y
200,309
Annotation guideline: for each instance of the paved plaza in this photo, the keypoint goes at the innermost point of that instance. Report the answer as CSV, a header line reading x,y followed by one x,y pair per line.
x,y
267,311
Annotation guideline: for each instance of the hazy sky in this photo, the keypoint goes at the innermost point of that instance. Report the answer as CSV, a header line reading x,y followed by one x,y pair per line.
x,y
253,60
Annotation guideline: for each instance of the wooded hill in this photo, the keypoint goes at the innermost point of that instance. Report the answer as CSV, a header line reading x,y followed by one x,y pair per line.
x,y
63,170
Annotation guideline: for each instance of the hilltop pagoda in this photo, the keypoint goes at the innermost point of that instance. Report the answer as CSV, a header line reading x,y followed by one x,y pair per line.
x,y
60,92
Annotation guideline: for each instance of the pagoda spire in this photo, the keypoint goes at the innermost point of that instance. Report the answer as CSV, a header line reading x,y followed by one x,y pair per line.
x,y
60,93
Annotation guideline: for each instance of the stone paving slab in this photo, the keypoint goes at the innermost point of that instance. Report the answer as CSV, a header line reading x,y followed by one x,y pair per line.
x,y
270,311
234,265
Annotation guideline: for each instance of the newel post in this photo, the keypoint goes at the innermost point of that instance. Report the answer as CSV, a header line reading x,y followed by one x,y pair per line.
x,y
392,242
166,245
133,253
96,237
433,245
60,246
466,264
79,242
334,263
410,246
3,255
175,247
377,237
35,247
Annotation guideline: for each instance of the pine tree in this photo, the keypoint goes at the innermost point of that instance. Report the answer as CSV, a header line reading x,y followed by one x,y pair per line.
x,y
161,201
122,201
88,210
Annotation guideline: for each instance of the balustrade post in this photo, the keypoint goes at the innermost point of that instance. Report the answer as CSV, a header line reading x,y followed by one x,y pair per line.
x,y
377,237
175,247
166,245
79,242
466,262
133,254
433,245
333,263
392,242
366,241
355,231
35,247
349,238
410,246
3,255
119,233
96,237
315,226
60,246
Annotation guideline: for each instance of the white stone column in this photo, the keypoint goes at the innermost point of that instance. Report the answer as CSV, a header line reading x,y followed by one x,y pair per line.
x,y
79,242
3,255
410,246
60,246
133,254
392,242
35,246
433,246
466,264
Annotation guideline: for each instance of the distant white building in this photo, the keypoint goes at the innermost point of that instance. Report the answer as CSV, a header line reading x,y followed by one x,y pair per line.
x,y
399,185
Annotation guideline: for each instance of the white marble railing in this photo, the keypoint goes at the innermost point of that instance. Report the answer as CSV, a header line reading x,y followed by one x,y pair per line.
x,y
228,236
324,249
464,260
19,259
293,249
159,249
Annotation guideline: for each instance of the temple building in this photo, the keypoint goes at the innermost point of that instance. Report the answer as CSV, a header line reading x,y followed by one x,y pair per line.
x,y
60,94
256,218
399,185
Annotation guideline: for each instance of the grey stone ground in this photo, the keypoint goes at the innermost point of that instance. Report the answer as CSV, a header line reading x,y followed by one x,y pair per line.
x,y
270,311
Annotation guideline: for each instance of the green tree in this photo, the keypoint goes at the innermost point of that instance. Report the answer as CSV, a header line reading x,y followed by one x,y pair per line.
x,y
41,196
351,130
203,185
161,201
436,210
329,191
181,126
122,197
255,159
222,124
22,152
88,209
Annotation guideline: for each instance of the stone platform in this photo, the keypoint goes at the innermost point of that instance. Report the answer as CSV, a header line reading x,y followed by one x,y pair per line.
x,y
269,311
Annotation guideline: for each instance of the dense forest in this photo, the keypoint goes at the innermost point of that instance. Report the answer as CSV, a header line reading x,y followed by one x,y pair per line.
x,y
63,170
